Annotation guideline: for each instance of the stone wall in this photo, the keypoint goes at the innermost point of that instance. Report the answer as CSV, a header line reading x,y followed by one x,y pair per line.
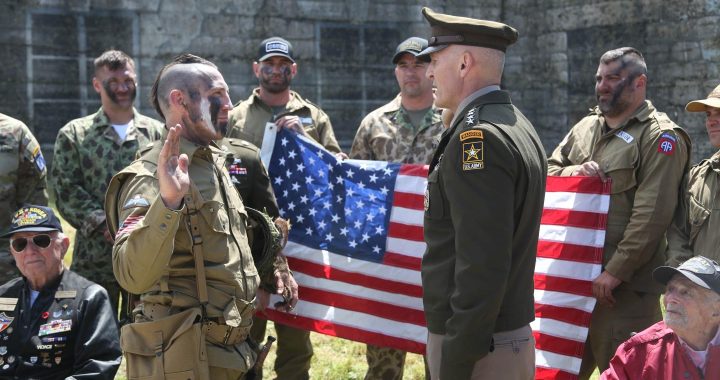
x,y
344,48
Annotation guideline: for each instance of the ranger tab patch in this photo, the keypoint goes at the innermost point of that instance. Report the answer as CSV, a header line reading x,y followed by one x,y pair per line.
x,y
472,150
666,144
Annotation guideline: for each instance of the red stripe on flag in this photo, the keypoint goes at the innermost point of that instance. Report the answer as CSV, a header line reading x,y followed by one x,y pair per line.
x,y
128,225
414,170
553,374
563,314
347,332
576,185
402,261
564,285
558,345
406,231
582,219
570,252
330,273
363,305
408,200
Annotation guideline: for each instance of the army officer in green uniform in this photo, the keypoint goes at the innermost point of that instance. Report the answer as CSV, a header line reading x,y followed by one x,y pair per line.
x,y
482,210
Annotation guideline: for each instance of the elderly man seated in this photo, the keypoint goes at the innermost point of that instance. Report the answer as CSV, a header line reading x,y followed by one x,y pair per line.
x,y
686,345
54,324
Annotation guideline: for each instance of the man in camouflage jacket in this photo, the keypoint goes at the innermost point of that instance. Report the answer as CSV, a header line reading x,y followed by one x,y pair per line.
x,y
22,166
405,130
88,152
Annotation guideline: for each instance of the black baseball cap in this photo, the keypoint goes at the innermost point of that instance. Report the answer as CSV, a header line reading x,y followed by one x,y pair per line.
x,y
413,45
699,269
32,218
275,47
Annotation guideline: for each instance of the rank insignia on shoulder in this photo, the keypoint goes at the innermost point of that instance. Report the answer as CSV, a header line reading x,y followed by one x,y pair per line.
x,y
666,144
470,117
136,201
5,321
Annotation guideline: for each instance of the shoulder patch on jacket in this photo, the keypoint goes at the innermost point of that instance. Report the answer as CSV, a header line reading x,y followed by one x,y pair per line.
x,y
666,144
472,150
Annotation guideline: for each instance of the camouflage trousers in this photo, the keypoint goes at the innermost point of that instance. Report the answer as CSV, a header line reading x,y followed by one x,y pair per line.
x,y
387,363
294,349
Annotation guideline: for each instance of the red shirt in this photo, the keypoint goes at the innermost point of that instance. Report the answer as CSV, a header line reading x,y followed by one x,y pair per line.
x,y
657,353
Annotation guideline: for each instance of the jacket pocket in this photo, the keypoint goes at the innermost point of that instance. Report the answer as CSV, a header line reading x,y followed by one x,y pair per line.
x,y
697,216
620,166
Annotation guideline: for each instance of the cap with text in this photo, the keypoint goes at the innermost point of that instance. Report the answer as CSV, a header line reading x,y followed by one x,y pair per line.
x,y
413,45
699,269
455,30
275,47
32,218
713,100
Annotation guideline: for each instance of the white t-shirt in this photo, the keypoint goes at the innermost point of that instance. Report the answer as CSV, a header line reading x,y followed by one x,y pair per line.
x,y
122,129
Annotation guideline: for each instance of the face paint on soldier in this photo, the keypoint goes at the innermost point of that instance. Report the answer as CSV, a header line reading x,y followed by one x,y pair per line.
x,y
207,111
117,88
614,88
275,74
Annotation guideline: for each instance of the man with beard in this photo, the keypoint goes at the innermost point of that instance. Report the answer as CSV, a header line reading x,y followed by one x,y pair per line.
x,y
88,152
645,155
686,345
181,237
273,102
406,130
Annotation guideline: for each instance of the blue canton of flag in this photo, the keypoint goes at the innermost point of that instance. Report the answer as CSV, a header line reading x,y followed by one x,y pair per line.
x,y
339,206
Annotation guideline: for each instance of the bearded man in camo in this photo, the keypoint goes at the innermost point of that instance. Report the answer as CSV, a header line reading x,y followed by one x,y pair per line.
x,y
406,130
88,152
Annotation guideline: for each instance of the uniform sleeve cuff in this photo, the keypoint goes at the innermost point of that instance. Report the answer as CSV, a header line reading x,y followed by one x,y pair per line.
x,y
161,218
618,269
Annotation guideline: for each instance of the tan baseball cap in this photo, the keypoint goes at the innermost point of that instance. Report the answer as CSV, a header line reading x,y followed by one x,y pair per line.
x,y
713,100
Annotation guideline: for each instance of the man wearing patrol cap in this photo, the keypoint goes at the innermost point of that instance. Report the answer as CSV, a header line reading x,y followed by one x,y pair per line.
x,y
646,155
274,102
695,226
686,344
482,210
406,130
54,324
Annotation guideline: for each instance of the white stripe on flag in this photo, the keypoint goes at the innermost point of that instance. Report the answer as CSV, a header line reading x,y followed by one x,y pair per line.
x,y
549,297
572,235
559,329
359,291
567,269
366,164
358,320
349,264
406,247
552,360
577,201
410,184
407,216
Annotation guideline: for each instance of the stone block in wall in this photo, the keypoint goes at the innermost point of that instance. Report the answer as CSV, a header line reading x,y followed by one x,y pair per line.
x,y
322,9
552,42
243,8
227,25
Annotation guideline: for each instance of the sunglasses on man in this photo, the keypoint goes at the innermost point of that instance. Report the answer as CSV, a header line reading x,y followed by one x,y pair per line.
x,y
41,241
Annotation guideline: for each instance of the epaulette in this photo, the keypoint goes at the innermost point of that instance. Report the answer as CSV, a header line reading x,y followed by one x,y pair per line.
x,y
241,143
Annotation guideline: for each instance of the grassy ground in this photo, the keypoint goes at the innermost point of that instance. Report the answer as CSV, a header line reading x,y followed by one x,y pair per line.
x,y
334,359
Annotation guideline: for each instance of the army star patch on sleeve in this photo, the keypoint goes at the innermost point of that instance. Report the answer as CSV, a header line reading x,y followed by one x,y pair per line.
x,y
472,150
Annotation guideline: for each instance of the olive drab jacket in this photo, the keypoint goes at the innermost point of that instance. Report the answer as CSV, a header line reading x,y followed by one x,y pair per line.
x,y
646,159
695,230
152,255
248,118
482,217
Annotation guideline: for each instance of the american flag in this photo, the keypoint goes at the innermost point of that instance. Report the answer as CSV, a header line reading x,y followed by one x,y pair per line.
x,y
356,245
570,249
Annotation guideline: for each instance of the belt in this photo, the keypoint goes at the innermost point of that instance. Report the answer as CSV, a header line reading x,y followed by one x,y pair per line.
x,y
224,334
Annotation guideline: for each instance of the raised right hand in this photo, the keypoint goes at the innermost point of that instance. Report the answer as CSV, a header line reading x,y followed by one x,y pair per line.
x,y
173,173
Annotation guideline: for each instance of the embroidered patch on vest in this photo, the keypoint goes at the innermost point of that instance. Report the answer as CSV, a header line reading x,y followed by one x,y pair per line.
x,y
625,136
666,144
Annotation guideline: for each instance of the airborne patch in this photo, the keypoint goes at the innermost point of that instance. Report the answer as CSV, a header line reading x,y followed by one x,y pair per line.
x,y
666,145
136,201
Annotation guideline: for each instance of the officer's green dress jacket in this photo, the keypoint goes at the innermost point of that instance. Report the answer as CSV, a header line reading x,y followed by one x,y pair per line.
x,y
152,255
482,217
646,159
88,152
248,118
22,180
695,230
